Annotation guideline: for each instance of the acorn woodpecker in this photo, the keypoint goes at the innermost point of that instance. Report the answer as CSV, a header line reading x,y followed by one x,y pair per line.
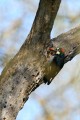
x,y
54,65
59,57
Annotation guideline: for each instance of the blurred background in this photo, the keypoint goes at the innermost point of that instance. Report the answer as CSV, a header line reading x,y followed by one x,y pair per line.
x,y
61,99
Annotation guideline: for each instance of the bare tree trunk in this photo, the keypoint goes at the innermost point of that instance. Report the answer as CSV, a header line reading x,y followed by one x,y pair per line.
x,y
25,71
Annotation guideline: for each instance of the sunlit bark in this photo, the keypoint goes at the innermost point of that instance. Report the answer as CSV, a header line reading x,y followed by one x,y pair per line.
x,y
25,71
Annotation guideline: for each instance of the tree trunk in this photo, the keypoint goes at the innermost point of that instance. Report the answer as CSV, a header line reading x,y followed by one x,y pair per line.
x,y
25,71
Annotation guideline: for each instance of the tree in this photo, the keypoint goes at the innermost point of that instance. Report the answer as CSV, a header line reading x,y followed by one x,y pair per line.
x,y
25,72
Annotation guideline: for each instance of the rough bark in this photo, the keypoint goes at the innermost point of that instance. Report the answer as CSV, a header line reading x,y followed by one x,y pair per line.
x,y
70,41
25,71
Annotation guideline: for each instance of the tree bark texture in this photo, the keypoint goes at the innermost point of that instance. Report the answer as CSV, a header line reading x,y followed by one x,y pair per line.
x,y
25,71
70,41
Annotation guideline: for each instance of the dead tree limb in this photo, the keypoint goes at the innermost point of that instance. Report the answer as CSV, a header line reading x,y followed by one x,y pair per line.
x,y
70,41
25,71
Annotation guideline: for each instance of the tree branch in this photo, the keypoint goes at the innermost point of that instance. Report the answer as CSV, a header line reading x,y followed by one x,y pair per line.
x,y
43,23
16,83
70,41
25,71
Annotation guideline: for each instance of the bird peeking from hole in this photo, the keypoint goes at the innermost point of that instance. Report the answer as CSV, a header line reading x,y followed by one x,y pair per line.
x,y
55,58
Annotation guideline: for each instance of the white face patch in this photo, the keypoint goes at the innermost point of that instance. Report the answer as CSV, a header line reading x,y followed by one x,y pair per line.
x,y
58,53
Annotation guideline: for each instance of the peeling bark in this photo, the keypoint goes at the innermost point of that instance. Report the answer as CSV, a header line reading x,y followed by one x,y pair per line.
x,y
25,71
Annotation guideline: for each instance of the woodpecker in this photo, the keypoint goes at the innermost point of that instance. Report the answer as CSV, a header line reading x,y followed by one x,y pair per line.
x,y
59,57
56,58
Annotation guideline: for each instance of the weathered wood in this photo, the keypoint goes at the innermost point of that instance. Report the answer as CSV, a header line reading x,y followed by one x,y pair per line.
x,y
70,41
25,71
43,22
20,79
